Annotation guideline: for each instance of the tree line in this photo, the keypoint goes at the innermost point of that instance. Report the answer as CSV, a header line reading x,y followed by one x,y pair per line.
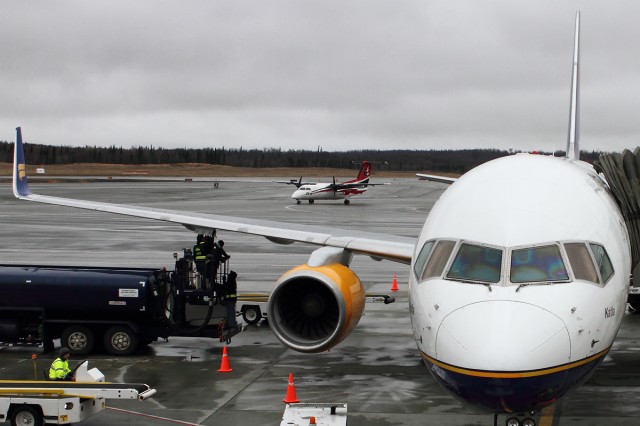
x,y
452,161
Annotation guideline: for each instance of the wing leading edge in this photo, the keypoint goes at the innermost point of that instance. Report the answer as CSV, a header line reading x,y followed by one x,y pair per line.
x,y
379,246
436,178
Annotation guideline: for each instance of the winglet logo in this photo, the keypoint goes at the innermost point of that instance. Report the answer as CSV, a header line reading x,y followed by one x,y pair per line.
x,y
22,171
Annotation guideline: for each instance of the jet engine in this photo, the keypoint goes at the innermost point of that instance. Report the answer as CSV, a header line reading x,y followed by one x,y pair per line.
x,y
312,308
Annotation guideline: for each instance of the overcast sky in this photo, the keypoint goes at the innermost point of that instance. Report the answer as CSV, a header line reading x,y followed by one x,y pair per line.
x,y
338,75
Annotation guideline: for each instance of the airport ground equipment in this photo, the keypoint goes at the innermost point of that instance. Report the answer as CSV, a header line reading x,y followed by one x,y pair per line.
x,y
122,308
252,307
634,297
34,403
621,171
324,413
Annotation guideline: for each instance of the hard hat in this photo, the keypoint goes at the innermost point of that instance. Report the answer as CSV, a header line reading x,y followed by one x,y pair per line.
x,y
64,351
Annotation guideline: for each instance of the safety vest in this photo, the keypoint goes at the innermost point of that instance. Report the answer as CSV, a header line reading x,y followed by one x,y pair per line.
x,y
198,252
59,369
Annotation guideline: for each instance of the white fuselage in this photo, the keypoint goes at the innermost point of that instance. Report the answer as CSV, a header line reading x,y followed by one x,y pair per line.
x,y
323,191
516,346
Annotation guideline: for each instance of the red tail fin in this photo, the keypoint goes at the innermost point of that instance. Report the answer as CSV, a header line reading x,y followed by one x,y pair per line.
x,y
365,170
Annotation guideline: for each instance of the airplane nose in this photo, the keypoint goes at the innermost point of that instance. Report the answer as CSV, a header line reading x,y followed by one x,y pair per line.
x,y
503,336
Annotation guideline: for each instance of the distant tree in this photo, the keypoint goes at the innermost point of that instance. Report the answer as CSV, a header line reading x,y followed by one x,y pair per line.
x,y
454,161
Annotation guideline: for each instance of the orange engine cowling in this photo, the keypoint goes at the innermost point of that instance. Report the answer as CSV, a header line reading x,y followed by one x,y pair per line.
x,y
311,309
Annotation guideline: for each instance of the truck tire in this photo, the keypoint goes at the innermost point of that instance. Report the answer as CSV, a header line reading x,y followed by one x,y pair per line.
x,y
26,415
120,340
251,314
78,339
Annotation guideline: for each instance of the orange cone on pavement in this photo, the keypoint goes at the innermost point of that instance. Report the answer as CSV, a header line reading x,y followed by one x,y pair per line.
x,y
394,284
224,364
291,392
312,421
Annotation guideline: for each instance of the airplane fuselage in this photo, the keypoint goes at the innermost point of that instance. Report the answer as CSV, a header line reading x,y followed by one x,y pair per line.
x,y
324,191
513,301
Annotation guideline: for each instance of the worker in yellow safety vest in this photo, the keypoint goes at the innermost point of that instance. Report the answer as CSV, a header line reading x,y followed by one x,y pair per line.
x,y
60,367
199,255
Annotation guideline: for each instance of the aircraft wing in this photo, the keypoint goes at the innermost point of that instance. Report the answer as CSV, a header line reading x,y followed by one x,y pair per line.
x,y
340,186
297,183
379,246
436,178
343,186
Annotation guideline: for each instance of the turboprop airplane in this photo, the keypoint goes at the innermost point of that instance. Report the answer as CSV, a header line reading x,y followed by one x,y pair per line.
x,y
518,278
333,191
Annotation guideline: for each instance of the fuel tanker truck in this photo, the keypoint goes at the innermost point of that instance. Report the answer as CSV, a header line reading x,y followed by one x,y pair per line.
x,y
121,309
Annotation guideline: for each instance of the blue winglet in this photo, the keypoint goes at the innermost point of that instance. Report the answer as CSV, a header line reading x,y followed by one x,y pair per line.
x,y
20,183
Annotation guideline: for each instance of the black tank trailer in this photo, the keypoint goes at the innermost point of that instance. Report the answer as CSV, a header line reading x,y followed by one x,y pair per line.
x,y
121,308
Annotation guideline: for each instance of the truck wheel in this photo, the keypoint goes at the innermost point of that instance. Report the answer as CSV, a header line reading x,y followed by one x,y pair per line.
x,y
120,340
78,339
251,314
26,415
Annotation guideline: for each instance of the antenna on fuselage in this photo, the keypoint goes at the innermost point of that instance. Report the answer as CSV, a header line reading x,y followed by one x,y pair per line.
x,y
573,140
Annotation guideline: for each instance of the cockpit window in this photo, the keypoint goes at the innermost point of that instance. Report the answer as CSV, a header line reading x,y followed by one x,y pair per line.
x,y
421,260
602,261
581,262
538,264
476,263
438,260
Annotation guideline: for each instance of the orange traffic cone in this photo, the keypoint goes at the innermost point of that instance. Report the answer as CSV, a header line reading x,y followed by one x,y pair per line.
x,y
291,392
312,421
394,284
224,364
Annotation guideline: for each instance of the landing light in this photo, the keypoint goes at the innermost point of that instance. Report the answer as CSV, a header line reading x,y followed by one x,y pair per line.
x,y
513,422
529,422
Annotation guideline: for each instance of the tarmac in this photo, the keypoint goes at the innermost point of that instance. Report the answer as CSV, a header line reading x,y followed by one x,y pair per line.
x,y
377,370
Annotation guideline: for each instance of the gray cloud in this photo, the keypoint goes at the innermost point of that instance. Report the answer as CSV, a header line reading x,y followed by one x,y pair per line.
x,y
331,74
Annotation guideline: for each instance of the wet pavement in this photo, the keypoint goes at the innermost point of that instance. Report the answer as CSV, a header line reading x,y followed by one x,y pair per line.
x,y
376,370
